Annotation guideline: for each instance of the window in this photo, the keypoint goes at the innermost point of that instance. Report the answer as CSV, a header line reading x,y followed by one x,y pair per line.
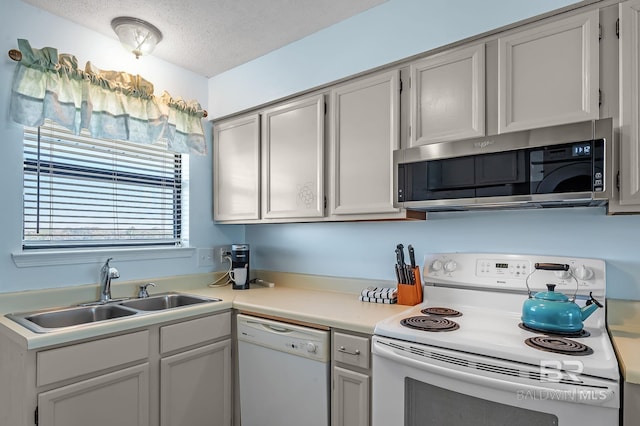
x,y
86,192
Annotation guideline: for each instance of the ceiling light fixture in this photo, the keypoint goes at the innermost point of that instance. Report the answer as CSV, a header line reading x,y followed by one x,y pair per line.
x,y
136,35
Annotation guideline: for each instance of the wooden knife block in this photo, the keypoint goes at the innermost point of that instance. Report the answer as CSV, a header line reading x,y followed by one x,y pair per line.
x,y
411,294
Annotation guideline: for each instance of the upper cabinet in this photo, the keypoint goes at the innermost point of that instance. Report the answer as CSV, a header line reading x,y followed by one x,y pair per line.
x,y
364,133
448,96
272,164
549,74
293,159
629,195
236,169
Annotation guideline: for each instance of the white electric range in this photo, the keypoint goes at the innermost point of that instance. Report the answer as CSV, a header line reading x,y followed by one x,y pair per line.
x,y
482,366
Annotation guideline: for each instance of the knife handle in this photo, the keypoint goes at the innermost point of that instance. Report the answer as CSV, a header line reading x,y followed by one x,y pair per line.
x,y
412,256
411,278
400,249
398,257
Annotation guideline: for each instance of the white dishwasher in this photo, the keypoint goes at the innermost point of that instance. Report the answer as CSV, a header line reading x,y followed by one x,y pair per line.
x,y
284,373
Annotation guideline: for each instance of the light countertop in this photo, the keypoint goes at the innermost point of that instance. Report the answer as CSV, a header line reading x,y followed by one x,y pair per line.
x,y
325,306
323,301
623,320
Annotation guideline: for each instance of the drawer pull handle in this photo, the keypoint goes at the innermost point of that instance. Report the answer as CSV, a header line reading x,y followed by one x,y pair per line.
x,y
344,350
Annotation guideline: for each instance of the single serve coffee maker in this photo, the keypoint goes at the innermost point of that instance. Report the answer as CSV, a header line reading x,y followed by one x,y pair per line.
x,y
240,266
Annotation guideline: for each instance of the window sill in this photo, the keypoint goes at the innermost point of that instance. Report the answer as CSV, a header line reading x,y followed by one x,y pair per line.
x,y
28,259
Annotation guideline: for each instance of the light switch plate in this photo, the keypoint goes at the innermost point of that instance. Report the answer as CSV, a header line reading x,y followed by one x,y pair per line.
x,y
205,257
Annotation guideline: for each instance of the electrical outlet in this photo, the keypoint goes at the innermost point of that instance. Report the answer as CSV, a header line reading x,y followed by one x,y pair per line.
x,y
223,253
205,257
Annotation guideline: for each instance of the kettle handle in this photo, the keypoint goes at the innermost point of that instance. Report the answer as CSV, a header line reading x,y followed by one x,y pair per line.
x,y
552,266
593,300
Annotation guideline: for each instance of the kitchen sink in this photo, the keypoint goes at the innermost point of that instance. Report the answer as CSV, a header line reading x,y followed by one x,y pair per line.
x,y
166,301
46,321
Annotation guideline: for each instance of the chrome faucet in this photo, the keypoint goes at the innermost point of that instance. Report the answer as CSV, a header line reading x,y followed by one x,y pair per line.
x,y
107,273
142,292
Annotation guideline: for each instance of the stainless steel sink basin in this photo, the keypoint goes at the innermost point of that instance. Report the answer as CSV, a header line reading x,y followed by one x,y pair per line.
x,y
166,301
45,321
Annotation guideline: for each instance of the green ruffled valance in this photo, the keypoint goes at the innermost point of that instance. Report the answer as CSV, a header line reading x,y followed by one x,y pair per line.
x,y
109,104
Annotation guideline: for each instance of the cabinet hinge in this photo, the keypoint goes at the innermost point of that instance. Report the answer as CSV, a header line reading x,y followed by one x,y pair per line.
x,y
618,27
618,181
325,108
400,85
599,98
35,416
325,202
599,32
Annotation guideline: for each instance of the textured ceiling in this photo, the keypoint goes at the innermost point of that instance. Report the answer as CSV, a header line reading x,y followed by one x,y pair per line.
x,y
212,36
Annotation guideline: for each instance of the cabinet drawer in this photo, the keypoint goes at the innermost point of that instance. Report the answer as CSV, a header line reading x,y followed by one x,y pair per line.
x,y
194,332
352,350
85,358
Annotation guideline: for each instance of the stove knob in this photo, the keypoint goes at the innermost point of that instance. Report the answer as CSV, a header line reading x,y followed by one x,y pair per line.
x,y
311,348
563,274
583,273
436,265
450,266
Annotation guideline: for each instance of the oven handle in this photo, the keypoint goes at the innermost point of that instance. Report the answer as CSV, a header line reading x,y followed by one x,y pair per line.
x,y
592,395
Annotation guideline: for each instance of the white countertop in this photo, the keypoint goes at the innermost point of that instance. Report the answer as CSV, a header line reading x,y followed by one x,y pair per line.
x,y
324,301
304,303
623,321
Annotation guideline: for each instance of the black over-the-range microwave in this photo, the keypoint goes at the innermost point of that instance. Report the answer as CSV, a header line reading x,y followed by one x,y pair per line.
x,y
566,165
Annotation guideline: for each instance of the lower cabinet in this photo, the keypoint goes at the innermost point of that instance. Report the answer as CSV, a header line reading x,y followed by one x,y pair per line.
x,y
195,374
195,387
102,382
351,379
351,396
119,398
168,374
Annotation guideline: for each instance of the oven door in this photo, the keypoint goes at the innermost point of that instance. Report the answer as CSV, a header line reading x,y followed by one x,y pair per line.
x,y
421,385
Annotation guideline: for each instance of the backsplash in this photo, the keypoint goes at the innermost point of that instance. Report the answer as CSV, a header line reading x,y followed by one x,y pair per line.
x,y
366,250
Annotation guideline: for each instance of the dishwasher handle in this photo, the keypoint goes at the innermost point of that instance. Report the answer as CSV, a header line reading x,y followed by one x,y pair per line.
x,y
276,328
270,327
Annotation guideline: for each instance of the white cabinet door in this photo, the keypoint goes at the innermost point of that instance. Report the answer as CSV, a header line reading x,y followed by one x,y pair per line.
x,y
629,107
236,169
120,398
195,387
350,398
364,133
293,159
549,74
448,96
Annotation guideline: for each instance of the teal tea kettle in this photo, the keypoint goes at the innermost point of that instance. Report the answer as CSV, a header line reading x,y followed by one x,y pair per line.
x,y
552,311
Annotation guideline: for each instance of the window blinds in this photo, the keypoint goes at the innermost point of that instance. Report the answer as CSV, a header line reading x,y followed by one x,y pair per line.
x,y
86,192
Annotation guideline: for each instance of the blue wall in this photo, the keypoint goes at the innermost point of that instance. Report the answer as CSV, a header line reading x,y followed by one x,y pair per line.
x,y
366,249
386,33
43,29
392,31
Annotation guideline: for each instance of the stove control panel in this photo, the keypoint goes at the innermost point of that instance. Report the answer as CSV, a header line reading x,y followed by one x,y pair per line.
x,y
512,272
498,268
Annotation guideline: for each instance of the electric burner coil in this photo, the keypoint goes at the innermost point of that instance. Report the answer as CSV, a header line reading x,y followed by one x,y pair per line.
x,y
572,334
559,345
430,323
439,311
